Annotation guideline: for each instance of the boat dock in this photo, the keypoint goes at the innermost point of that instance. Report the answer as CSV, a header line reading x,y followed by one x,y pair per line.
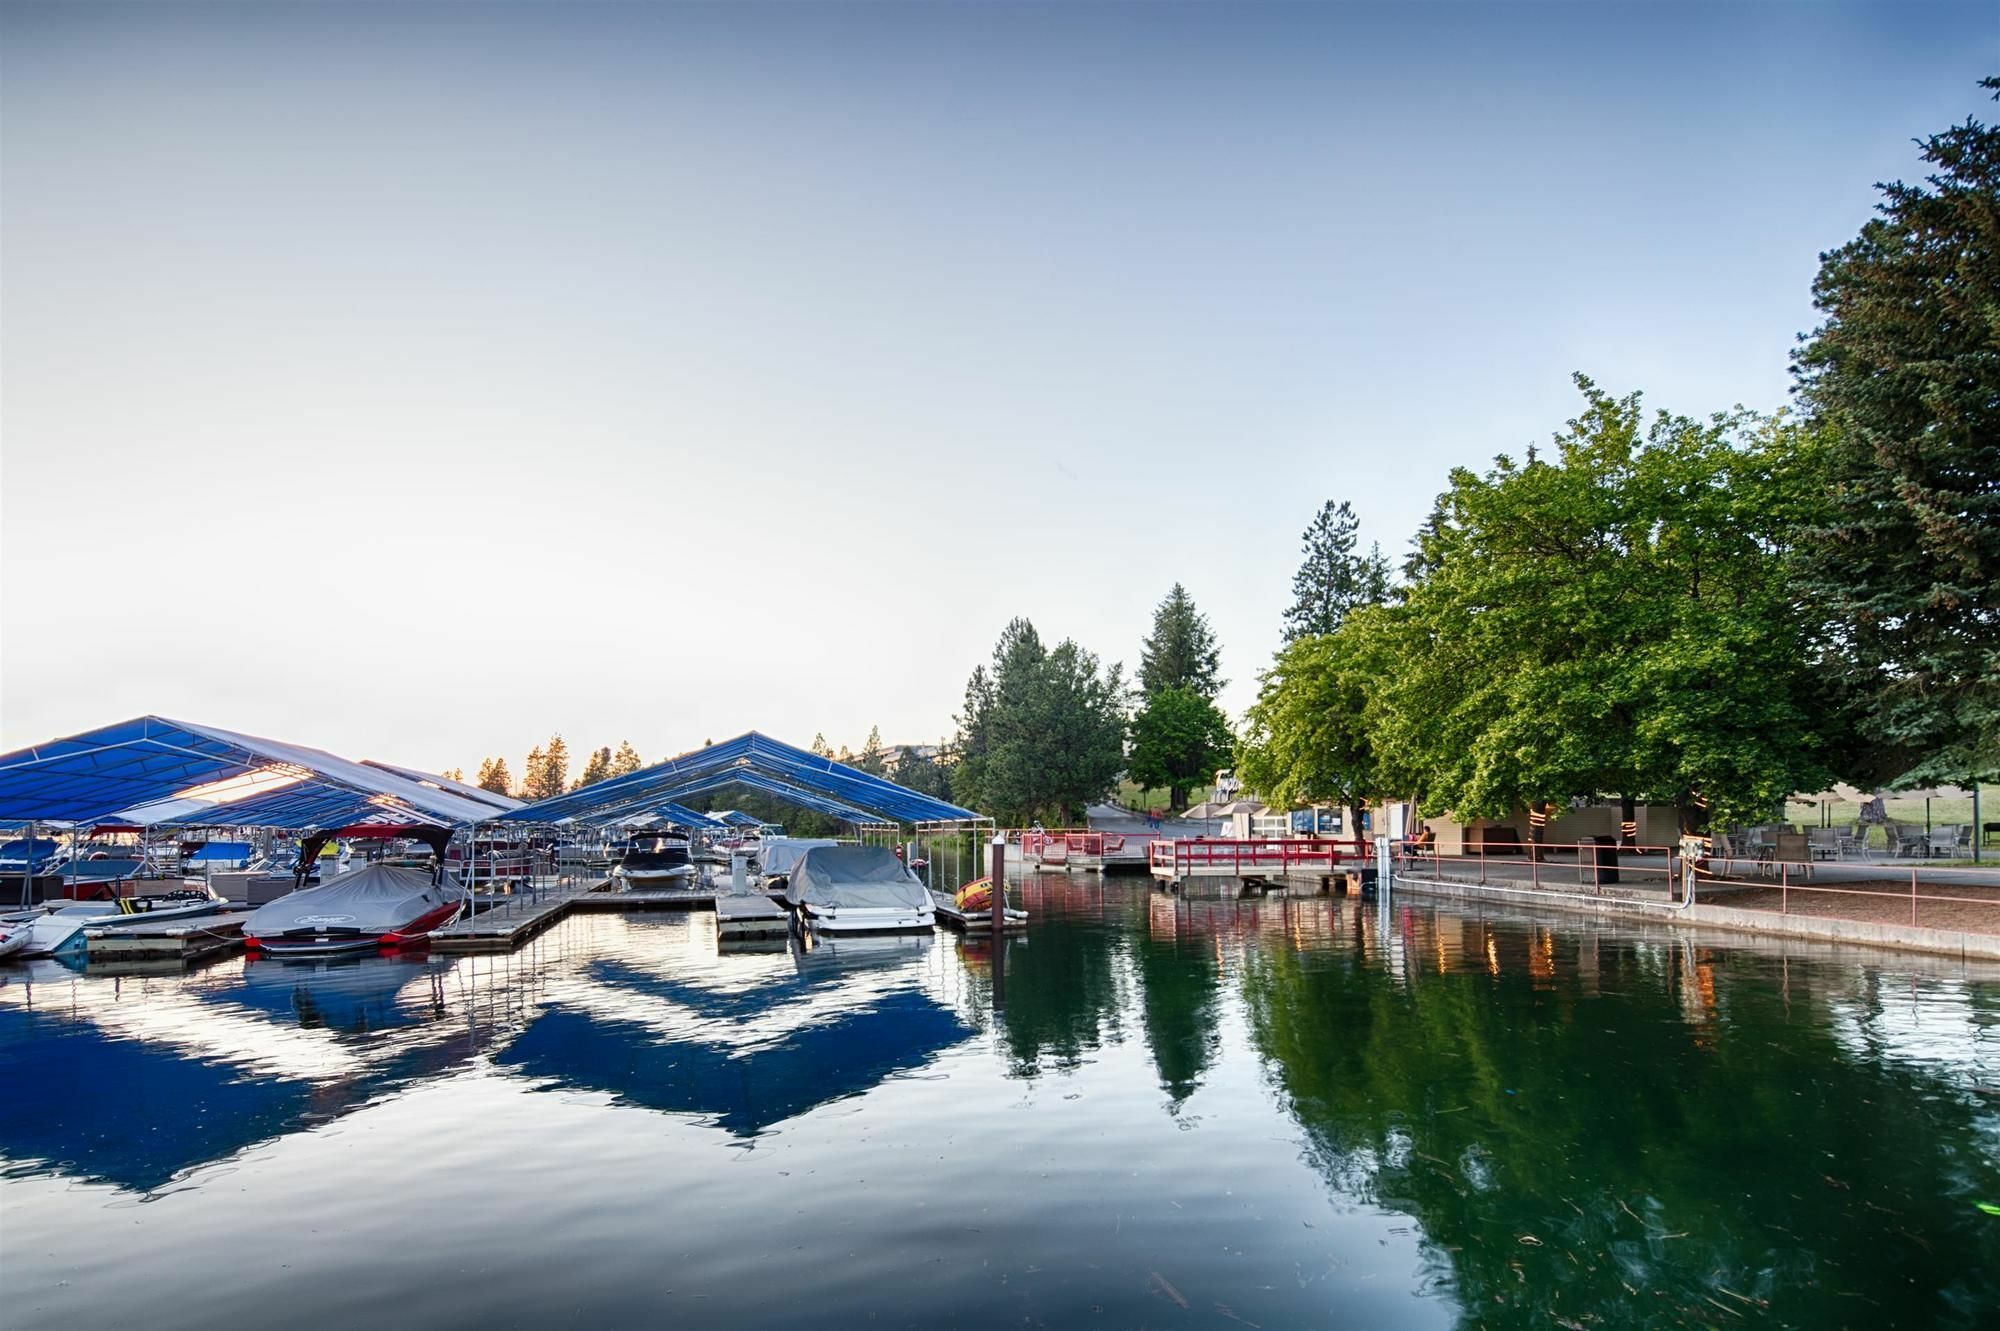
x,y
504,927
182,940
973,922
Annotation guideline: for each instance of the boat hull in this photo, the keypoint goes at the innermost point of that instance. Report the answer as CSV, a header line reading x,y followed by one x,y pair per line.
x,y
334,942
868,921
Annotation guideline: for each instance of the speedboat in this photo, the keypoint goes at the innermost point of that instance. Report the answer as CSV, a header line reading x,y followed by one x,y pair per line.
x,y
657,861
180,903
376,906
858,889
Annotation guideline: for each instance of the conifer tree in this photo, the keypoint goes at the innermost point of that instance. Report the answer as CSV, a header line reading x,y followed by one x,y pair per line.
x,y
1904,378
1333,579
1182,652
494,776
626,760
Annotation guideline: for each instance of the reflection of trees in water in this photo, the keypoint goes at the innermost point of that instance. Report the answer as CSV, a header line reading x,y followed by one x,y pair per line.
x,y
1064,994
1178,978
1596,1129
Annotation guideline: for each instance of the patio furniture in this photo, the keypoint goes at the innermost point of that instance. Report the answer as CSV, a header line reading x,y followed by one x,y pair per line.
x,y
1853,843
1943,839
1824,842
1904,842
1793,851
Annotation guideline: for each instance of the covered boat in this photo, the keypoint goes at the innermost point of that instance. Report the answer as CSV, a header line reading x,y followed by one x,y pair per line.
x,y
378,906
858,889
781,854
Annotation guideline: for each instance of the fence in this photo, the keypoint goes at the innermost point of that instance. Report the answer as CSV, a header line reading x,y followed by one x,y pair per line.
x,y
1913,894
1564,869
1180,859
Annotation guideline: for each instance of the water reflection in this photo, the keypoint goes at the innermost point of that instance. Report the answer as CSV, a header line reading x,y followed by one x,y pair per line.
x,y
1286,1112
748,1045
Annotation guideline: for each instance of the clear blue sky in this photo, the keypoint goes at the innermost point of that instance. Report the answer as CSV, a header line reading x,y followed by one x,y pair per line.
x,y
414,382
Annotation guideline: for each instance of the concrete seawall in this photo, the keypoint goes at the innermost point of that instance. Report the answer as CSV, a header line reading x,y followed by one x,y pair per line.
x,y
1851,933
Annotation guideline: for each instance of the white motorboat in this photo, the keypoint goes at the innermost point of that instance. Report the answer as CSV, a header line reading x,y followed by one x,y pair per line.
x,y
657,861
858,889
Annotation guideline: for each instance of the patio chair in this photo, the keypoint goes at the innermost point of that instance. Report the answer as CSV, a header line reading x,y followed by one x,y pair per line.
x,y
1942,839
1792,850
1824,842
1853,843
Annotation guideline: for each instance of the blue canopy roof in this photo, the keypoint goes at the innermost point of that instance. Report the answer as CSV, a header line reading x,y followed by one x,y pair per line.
x,y
298,807
738,818
686,817
762,763
151,759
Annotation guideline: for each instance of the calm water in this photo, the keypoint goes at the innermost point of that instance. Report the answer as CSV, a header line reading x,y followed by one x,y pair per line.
x,y
1281,1114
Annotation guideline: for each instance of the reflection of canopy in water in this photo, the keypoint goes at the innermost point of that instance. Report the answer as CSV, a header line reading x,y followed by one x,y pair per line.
x,y
746,1059
135,1091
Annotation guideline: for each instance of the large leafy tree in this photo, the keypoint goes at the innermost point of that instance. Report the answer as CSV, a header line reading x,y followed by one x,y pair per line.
x,y
1306,740
1613,619
1181,652
1332,578
1178,739
1905,374
1042,733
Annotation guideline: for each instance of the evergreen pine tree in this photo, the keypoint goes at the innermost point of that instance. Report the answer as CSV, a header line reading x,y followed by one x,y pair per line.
x,y
1904,378
626,760
1333,579
1182,652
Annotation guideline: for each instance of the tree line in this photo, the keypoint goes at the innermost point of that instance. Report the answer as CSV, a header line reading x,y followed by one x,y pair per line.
x,y
1710,612
546,772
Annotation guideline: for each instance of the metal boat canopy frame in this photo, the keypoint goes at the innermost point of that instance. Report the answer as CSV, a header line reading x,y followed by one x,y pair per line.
x,y
798,776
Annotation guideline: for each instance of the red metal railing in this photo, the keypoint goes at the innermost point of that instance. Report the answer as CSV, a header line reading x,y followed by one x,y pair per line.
x,y
1179,858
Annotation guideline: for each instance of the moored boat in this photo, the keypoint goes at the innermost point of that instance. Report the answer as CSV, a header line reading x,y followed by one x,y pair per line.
x,y
657,861
858,889
376,906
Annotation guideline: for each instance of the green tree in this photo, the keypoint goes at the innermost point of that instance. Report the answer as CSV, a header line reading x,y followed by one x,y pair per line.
x,y
1306,740
1615,620
873,759
1043,734
626,760
922,773
820,746
1905,373
453,774
1182,652
1179,738
494,776
597,768
1332,579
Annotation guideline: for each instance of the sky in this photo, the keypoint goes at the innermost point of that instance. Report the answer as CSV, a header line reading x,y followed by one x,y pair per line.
x,y
415,382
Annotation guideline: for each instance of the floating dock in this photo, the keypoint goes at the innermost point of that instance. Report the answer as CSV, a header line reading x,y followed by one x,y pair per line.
x,y
750,915
974,922
183,940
